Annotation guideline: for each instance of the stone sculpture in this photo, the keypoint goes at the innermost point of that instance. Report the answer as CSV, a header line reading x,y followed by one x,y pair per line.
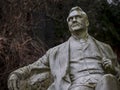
x,y
81,63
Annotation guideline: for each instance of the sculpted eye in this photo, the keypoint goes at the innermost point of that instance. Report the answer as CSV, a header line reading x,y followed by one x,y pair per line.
x,y
74,17
78,16
70,18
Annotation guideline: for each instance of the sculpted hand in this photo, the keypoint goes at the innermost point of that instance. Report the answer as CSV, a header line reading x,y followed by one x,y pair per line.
x,y
107,64
13,82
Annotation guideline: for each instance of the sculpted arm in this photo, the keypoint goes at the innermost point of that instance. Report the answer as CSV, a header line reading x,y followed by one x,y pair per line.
x,y
40,66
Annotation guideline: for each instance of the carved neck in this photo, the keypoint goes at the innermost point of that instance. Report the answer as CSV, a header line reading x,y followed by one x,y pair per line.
x,y
80,34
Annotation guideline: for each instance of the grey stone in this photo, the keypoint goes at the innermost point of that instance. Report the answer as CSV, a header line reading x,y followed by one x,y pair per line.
x,y
81,63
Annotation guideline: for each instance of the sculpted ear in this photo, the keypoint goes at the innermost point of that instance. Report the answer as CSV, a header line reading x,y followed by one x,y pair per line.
x,y
87,23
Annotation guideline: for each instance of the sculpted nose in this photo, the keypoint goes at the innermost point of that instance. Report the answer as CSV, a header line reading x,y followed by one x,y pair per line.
x,y
74,19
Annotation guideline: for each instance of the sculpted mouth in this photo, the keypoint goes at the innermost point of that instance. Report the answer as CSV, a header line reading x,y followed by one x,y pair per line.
x,y
77,24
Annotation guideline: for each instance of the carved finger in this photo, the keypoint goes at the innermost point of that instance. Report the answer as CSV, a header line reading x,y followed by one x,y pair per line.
x,y
107,62
15,85
18,84
10,85
107,66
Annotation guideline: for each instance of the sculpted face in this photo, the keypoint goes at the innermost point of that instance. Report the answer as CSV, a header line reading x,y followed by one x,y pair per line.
x,y
77,20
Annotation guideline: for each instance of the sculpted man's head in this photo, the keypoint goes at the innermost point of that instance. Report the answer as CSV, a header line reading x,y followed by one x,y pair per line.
x,y
77,20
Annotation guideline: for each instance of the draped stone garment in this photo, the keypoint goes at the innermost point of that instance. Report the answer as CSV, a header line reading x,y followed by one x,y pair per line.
x,y
56,60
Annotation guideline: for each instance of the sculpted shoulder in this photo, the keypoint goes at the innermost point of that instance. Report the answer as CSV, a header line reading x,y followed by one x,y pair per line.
x,y
59,47
101,44
106,48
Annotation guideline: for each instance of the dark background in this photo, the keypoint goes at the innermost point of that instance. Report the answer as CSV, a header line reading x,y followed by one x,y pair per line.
x,y
30,27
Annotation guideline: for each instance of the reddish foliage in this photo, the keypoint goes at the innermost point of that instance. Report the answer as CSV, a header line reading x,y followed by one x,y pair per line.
x,y
17,46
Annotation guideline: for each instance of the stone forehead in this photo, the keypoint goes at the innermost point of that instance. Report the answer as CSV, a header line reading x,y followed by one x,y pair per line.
x,y
76,11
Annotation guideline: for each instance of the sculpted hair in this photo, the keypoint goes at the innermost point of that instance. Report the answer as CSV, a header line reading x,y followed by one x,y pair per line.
x,y
77,8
